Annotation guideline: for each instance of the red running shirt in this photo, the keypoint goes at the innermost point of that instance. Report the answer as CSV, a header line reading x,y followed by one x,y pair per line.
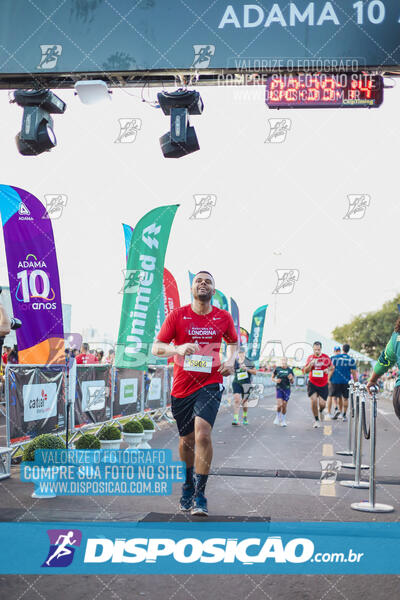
x,y
86,359
316,375
183,326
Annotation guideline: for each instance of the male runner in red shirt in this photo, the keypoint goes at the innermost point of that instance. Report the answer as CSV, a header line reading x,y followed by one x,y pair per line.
x,y
318,365
85,358
197,331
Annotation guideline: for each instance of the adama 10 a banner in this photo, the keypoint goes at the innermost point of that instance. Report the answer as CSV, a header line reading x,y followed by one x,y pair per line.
x,y
33,275
143,287
256,333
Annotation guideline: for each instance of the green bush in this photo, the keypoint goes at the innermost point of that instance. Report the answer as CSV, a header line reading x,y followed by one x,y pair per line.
x,y
110,432
88,441
133,426
147,423
46,441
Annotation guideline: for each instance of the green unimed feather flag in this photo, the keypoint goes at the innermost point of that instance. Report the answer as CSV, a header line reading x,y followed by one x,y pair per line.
x,y
143,287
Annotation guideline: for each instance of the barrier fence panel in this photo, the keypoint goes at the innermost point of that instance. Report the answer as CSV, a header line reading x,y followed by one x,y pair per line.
x,y
92,394
300,381
127,392
35,399
155,387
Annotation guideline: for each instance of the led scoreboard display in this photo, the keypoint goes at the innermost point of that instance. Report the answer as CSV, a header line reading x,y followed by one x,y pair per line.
x,y
321,90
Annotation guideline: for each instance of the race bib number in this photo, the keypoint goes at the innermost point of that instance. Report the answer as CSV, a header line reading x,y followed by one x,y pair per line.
x,y
242,375
317,373
196,362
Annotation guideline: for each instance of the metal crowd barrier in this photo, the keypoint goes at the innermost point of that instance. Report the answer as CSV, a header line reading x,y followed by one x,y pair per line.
x,y
356,432
371,505
100,401
29,413
357,424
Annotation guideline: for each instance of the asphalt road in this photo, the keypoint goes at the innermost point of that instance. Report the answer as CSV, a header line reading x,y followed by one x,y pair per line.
x,y
260,471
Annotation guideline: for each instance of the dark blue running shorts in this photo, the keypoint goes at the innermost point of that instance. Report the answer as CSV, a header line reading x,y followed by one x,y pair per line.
x,y
204,403
283,393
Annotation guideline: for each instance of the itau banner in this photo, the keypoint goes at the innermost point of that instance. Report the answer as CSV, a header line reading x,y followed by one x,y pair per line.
x,y
171,293
235,317
33,276
256,333
171,297
143,287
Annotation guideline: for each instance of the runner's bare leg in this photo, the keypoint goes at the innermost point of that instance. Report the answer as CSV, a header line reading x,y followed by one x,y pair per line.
x,y
321,402
186,449
204,450
314,404
236,404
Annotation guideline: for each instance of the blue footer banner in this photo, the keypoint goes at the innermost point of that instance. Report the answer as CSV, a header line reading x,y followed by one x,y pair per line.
x,y
205,547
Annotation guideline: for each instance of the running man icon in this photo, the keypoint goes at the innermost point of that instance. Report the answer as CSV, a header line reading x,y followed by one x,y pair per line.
x,y
61,551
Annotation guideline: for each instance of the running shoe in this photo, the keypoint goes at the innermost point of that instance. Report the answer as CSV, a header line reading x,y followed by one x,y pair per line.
x,y
235,422
200,506
277,420
336,414
245,421
283,422
344,419
186,501
316,424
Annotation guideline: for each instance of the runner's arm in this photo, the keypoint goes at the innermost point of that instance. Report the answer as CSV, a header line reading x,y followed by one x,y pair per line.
x,y
231,353
251,369
308,367
386,360
231,339
227,367
162,349
162,346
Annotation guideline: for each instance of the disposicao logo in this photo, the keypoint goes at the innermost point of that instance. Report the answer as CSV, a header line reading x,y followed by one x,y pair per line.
x,y
192,550
62,547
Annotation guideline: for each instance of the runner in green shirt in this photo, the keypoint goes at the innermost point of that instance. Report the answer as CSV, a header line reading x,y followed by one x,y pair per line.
x,y
389,357
241,386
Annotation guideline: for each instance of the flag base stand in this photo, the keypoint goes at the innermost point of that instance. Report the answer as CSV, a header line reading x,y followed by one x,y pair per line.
x,y
373,508
354,484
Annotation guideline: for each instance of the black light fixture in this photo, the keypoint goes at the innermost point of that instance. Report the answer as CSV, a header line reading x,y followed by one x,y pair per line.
x,y
37,135
181,139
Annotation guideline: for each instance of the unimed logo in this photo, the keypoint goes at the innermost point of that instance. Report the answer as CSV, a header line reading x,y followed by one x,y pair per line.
x,y
190,550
